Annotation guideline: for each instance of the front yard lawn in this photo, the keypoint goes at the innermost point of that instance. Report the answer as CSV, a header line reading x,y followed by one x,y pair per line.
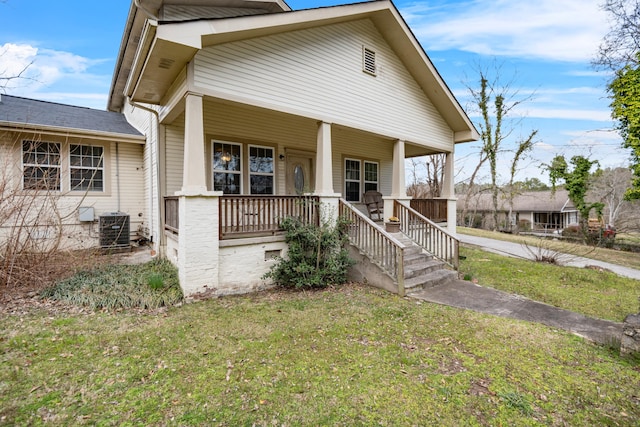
x,y
348,356
592,292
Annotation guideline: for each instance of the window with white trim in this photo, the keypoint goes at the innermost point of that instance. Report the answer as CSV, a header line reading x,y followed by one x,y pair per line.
x,y
227,167
370,176
261,170
86,167
352,174
41,165
360,176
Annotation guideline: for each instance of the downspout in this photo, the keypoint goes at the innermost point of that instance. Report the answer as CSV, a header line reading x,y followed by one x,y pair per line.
x,y
157,159
118,175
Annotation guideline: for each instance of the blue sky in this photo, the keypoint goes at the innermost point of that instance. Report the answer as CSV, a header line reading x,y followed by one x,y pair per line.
x,y
543,48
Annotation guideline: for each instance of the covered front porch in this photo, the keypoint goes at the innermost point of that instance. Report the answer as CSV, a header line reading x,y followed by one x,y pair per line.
x,y
250,237
232,172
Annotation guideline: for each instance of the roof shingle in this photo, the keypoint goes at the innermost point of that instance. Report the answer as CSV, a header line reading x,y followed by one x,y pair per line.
x,y
31,112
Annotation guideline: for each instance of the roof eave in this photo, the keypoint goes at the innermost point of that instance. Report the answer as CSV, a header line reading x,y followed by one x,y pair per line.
x,y
183,40
72,132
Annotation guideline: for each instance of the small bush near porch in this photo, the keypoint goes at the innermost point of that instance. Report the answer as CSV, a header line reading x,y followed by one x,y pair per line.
x,y
316,258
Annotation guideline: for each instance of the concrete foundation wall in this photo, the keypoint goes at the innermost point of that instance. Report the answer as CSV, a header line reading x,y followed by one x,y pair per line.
x,y
243,262
366,272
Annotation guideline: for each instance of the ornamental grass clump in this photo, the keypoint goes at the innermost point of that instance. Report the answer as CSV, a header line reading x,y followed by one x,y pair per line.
x,y
151,285
317,256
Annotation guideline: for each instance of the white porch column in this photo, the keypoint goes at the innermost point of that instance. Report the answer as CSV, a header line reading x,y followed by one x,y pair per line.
x,y
194,175
198,243
324,165
324,175
448,192
398,186
198,237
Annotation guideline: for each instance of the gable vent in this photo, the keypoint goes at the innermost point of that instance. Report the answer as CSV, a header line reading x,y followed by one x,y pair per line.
x,y
368,61
166,63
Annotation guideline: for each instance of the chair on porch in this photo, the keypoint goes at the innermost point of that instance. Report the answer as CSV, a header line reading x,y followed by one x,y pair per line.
x,y
373,201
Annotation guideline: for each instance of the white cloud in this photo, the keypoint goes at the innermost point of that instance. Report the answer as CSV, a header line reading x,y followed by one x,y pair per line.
x,y
582,90
14,58
544,146
44,68
594,137
605,74
567,30
567,114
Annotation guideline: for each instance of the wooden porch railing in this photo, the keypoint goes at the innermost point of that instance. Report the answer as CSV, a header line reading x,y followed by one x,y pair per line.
x,y
427,234
171,218
433,209
372,240
242,216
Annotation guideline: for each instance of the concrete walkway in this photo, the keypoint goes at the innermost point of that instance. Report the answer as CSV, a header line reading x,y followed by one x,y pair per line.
x,y
464,294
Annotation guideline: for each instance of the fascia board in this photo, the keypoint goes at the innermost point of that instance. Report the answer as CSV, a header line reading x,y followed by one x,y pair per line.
x,y
79,133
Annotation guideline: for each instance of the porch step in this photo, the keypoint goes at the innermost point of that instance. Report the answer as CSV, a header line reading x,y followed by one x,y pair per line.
x,y
429,280
418,269
416,258
422,270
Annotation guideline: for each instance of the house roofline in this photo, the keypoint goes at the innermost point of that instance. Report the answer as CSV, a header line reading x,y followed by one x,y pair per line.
x,y
133,28
187,37
71,132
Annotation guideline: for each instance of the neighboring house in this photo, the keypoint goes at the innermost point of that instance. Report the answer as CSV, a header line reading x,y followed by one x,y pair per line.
x,y
252,112
532,210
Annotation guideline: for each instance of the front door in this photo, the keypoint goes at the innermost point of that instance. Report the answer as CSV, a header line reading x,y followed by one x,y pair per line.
x,y
300,172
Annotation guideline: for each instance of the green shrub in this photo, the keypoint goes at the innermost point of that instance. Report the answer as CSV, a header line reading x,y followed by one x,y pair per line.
x,y
317,256
155,281
150,285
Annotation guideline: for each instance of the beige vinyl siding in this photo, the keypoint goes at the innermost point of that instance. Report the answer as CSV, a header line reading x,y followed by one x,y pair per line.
x,y
174,156
259,127
230,120
318,73
350,145
145,122
128,197
9,164
233,123
172,12
127,191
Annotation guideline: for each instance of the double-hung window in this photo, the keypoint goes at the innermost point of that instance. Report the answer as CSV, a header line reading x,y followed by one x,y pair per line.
x,y
261,170
227,167
41,165
370,176
86,167
360,176
352,174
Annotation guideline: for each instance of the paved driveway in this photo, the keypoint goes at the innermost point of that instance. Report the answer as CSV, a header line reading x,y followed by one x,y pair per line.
x,y
520,251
